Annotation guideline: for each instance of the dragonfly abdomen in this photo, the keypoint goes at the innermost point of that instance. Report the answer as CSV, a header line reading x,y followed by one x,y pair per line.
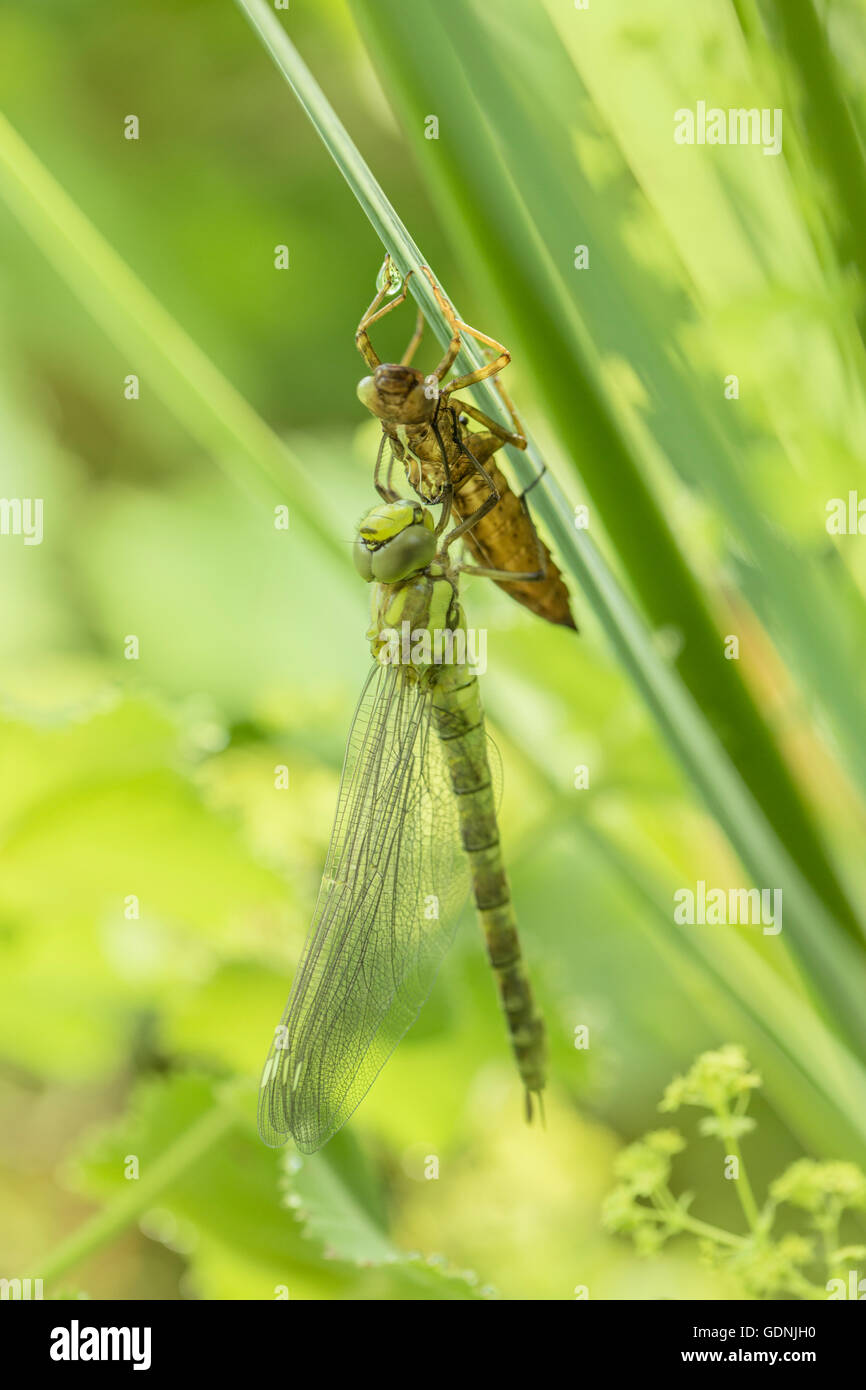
x,y
459,721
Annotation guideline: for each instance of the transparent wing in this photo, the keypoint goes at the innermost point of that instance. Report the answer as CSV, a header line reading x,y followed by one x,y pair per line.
x,y
395,879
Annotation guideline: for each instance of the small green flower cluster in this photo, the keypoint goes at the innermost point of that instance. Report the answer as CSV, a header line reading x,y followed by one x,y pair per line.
x,y
643,1205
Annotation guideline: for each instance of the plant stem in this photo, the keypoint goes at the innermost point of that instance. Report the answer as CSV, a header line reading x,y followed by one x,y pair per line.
x,y
683,1222
173,1164
744,1187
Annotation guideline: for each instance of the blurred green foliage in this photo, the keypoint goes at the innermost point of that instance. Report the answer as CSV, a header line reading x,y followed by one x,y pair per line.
x,y
157,887
770,1263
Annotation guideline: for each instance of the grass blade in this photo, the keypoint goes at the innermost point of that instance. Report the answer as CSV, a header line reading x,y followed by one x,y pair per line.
x,y
833,964
199,396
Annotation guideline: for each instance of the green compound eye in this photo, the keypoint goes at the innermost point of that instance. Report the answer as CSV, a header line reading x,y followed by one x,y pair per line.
x,y
404,554
363,559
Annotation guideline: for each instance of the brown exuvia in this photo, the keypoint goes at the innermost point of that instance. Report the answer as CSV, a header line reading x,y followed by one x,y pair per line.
x,y
427,430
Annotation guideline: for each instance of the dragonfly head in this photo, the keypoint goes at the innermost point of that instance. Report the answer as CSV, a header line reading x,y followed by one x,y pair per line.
x,y
399,395
394,540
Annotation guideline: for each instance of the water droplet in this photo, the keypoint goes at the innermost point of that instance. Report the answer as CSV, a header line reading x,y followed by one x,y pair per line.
x,y
389,277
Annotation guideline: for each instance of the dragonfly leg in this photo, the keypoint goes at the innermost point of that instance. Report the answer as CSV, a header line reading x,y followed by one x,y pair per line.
x,y
385,491
414,340
516,438
445,515
537,575
517,425
458,328
373,313
526,576
489,502
484,445
535,481
394,495
516,576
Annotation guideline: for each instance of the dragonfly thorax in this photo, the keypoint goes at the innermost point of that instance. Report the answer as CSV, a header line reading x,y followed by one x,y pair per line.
x,y
416,622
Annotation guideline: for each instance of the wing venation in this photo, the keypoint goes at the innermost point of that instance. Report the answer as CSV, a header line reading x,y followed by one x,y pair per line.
x,y
394,881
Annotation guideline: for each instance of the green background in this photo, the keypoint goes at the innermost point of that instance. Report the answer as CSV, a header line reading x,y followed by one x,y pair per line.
x,y
154,778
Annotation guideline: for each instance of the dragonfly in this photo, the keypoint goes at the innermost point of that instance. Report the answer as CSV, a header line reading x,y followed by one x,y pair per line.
x,y
426,428
415,829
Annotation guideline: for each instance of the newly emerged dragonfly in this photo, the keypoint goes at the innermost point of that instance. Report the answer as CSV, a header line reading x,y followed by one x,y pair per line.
x,y
426,429
415,829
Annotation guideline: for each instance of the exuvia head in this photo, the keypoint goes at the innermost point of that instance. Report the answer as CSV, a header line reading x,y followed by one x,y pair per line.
x,y
399,395
394,540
